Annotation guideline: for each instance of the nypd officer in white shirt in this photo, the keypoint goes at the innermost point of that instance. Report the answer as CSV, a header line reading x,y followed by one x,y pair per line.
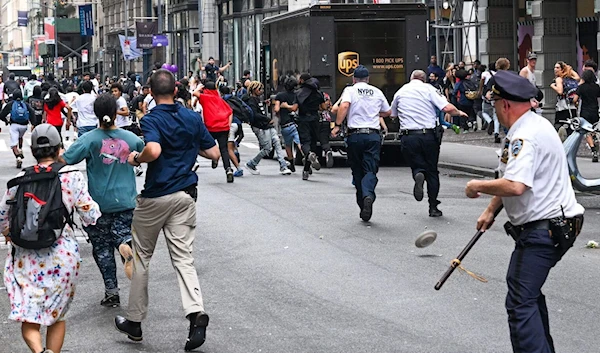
x,y
539,200
365,106
415,104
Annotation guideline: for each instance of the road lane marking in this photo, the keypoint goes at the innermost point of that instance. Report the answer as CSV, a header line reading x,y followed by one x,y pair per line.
x,y
249,145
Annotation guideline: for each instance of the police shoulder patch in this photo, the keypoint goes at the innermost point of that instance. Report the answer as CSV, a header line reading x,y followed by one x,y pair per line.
x,y
516,147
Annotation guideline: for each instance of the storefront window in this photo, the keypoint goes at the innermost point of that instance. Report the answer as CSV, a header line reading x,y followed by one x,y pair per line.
x,y
228,53
248,46
258,32
236,46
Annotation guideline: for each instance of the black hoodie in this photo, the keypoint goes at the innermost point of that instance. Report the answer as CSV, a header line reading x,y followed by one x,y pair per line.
x,y
309,100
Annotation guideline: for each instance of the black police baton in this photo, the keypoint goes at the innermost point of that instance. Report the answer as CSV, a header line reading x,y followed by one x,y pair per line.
x,y
456,262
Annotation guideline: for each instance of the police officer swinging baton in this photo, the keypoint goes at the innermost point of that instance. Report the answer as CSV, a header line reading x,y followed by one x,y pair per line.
x,y
456,262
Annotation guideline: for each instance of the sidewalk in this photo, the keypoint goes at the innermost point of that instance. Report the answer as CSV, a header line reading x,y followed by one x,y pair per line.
x,y
483,160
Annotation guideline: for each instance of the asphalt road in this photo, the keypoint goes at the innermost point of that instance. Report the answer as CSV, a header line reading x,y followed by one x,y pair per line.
x,y
287,266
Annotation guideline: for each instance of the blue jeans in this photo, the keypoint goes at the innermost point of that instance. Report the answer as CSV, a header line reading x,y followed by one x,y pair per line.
x,y
290,134
489,113
530,264
267,139
443,122
110,231
83,129
363,155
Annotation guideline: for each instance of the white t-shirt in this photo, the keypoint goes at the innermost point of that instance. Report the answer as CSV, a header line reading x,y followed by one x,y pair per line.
x,y
149,100
415,104
534,155
85,107
69,98
366,102
122,120
486,76
96,85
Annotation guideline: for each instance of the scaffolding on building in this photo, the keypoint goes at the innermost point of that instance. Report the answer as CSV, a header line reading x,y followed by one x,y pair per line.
x,y
456,35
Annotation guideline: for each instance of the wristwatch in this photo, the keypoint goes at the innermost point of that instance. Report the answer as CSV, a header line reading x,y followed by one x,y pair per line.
x,y
135,158
338,125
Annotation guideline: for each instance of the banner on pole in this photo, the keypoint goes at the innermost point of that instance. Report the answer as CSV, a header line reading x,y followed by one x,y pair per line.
x,y
160,40
49,30
22,19
86,21
61,61
84,56
129,48
144,33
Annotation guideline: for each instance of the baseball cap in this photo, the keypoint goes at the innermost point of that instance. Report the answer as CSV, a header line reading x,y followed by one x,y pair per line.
x,y
361,72
45,135
532,56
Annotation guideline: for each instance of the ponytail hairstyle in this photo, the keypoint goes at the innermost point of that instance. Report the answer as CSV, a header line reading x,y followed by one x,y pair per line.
x,y
105,108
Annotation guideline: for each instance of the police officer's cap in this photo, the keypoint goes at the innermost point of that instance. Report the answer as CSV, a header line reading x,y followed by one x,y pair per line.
x,y
361,72
512,87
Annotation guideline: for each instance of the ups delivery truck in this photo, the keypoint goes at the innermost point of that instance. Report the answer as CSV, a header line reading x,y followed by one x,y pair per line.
x,y
330,41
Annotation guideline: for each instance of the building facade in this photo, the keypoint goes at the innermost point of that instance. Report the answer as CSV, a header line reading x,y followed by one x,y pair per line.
x,y
241,29
14,39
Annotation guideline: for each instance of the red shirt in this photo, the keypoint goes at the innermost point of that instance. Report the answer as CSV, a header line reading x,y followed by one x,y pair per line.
x,y
54,116
215,110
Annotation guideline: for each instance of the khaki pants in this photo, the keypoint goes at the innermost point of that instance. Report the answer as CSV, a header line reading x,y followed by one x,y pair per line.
x,y
175,214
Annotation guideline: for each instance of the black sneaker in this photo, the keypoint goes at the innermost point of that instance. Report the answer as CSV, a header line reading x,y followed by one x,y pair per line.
x,y
435,212
214,164
229,174
367,209
490,128
111,301
497,138
594,157
132,329
291,165
329,159
197,335
305,174
418,189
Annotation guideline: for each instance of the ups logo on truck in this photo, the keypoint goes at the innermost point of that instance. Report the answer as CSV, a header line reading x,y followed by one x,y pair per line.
x,y
347,62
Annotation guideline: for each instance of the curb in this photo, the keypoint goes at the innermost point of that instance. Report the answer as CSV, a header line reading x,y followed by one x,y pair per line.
x,y
485,172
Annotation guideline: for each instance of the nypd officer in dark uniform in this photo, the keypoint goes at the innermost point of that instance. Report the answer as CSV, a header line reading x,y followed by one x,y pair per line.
x,y
544,215
366,106
415,104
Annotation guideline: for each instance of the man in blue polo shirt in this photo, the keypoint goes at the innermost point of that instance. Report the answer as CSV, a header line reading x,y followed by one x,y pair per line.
x,y
174,137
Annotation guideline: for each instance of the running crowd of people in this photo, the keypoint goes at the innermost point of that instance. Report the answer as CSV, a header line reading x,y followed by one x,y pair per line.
x,y
470,90
121,124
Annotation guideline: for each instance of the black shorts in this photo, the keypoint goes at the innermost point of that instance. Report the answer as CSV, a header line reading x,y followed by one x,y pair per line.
x,y
590,117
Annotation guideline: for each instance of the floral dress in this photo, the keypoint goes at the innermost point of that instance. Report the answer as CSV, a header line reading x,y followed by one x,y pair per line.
x,y
41,283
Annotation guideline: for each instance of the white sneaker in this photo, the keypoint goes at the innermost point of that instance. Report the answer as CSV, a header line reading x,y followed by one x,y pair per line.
x,y
285,171
138,170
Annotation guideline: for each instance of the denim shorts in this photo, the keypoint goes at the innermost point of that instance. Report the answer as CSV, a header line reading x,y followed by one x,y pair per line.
x,y
290,134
